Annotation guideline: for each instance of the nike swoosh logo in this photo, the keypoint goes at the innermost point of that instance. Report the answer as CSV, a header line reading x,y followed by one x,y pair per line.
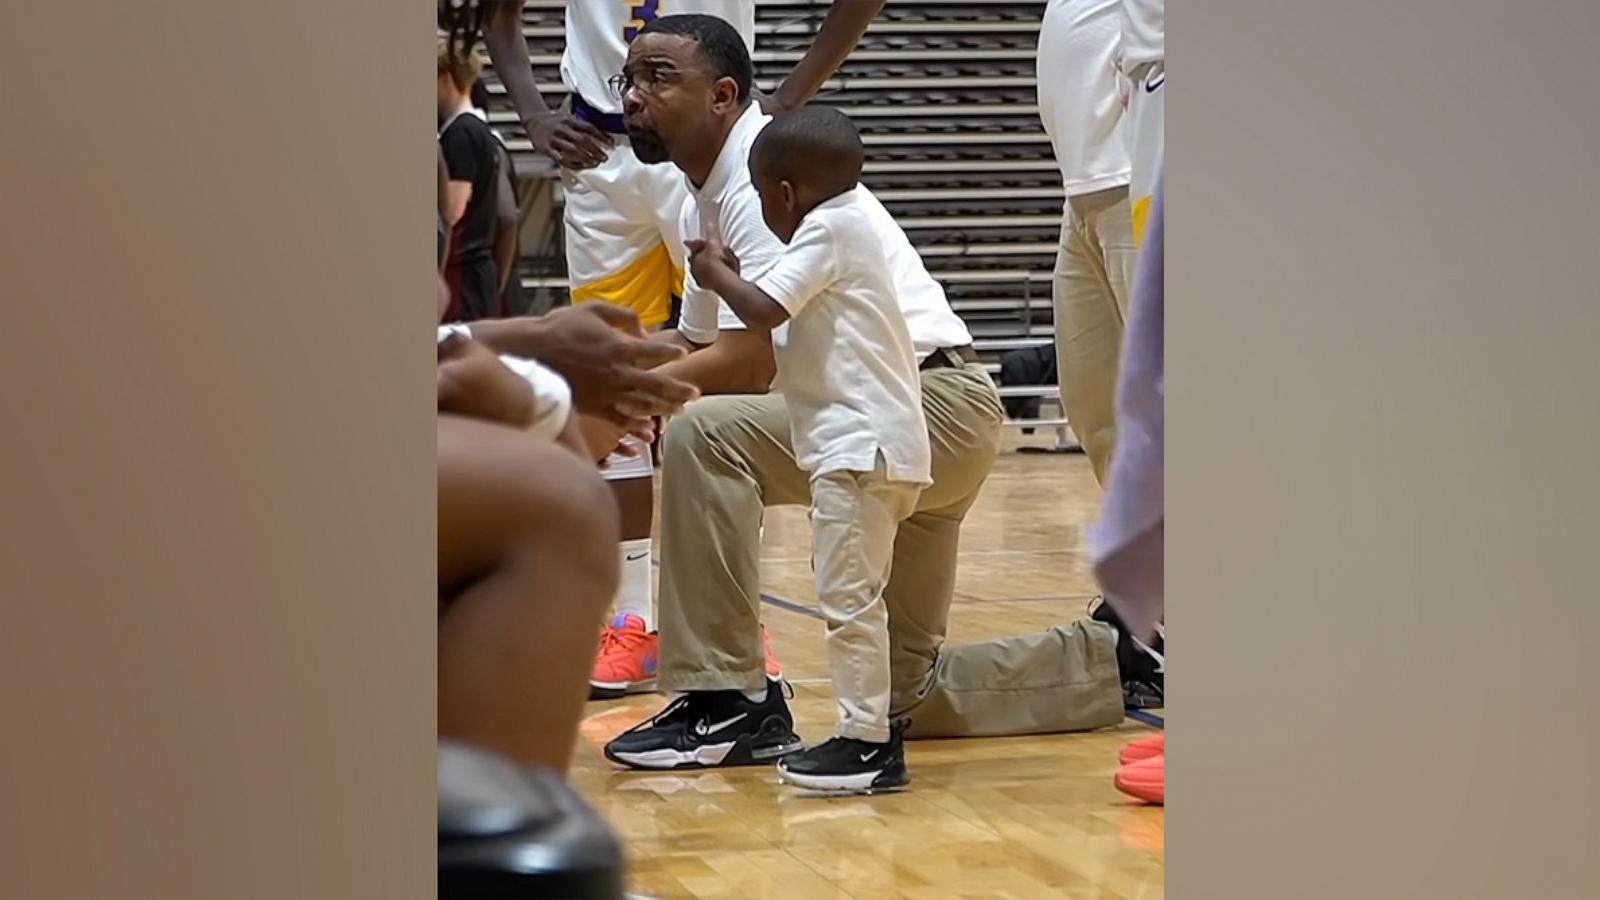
x,y
867,757
702,728
636,558
1151,86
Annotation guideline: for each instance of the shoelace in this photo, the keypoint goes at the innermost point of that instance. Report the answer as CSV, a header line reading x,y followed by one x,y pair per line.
x,y
617,638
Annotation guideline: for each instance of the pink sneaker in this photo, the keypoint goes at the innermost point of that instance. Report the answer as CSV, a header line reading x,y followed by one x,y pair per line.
x,y
1145,780
628,659
1143,748
774,671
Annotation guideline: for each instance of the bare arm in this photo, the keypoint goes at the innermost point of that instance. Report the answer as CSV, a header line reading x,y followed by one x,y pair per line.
x,y
444,178
571,142
457,195
673,337
444,195
508,50
739,362
716,269
846,22
603,353
505,225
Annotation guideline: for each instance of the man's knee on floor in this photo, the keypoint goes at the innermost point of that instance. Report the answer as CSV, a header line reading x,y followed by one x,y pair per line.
x,y
911,672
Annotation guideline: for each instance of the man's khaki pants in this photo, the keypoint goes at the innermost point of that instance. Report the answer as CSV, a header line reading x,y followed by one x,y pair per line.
x,y
1094,270
727,457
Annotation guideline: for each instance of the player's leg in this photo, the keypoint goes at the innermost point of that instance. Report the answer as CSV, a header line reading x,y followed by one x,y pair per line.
x,y
525,570
615,254
629,643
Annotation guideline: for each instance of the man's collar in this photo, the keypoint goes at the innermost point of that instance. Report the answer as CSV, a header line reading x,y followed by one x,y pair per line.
x,y
732,158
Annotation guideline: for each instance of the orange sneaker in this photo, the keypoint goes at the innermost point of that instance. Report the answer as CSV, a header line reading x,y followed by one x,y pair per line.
x,y
774,671
628,659
1143,748
1145,780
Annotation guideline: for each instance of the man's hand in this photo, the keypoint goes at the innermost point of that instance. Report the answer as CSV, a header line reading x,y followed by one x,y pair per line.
x,y
608,369
474,382
605,438
570,141
711,262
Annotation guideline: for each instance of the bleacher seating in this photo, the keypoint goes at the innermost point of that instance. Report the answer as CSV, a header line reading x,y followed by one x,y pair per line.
x,y
944,94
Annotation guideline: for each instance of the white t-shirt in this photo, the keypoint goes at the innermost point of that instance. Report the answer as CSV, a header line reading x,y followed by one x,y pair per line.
x,y
1078,93
846,366
598,33
552,395
1144,38
727,207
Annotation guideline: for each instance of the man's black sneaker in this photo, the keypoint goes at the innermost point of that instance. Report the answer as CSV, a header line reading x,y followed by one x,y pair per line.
x,y
1142,668
849,764
710,728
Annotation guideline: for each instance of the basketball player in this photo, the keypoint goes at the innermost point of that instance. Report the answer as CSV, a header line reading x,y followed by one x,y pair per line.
x,y
725,458
1141,59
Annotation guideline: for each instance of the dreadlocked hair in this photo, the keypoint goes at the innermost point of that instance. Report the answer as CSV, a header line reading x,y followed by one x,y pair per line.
x,y
462,24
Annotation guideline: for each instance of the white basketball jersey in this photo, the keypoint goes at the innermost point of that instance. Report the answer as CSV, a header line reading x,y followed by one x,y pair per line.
x,y
1144,38
599,31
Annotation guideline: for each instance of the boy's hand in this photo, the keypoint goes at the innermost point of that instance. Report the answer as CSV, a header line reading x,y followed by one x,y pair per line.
x,y
710,261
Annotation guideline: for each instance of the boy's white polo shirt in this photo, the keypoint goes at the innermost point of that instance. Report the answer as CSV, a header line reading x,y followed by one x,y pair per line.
x,y
728,208
846,365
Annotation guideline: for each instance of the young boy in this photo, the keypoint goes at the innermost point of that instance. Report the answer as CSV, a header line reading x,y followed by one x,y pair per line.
x,y
848,372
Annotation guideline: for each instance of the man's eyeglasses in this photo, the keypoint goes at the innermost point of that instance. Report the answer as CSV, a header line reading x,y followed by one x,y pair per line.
x,y
647,80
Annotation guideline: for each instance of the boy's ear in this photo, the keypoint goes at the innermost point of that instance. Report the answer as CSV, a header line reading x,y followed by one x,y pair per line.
x,y
788,193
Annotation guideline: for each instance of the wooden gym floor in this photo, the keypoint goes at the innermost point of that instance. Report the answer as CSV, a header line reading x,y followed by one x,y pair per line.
x,y
1027,817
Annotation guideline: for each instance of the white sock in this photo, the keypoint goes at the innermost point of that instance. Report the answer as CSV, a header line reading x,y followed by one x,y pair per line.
x,y
634,596
633,592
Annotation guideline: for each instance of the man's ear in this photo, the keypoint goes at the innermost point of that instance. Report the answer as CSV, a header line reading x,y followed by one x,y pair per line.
x,y
724,94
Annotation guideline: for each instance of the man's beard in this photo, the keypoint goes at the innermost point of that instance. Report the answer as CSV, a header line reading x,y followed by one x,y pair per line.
x,y
647,147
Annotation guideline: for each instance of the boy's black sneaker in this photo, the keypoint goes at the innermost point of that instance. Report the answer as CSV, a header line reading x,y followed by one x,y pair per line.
x,y
710,728
849,764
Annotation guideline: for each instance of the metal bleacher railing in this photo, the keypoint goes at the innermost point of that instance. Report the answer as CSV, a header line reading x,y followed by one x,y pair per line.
x,y
943,91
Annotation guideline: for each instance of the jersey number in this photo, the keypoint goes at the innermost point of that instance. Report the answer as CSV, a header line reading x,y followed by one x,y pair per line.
x,y
643,14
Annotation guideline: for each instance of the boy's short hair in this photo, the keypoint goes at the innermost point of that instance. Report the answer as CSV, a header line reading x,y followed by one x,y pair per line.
x,y
462,69
817,146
